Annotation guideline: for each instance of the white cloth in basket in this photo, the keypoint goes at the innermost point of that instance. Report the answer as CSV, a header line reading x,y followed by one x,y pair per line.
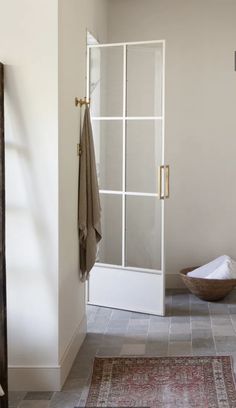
x,y
226,270
205,270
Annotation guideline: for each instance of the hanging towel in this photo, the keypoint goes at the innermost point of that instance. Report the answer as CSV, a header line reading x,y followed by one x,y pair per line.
x,y
89,209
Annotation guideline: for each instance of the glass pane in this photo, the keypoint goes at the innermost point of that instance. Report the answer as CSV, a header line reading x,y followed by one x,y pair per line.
x,y
108,150
144,80
143,155
110,247
106,81
143,232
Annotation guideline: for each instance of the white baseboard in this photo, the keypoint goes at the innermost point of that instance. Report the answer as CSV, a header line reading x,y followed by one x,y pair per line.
x,y
174,281
47,378
34,378
72,350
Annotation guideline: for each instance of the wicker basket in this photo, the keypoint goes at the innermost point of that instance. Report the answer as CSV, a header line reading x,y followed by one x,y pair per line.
x,y
207,289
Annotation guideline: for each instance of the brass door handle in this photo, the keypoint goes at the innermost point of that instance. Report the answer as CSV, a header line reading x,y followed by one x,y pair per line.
x,y
159,185
166,193
167,181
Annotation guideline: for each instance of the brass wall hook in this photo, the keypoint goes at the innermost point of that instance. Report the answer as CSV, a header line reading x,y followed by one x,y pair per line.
x,y
81,102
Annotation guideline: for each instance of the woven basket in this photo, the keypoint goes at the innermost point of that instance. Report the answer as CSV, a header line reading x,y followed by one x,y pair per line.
x,y
207,289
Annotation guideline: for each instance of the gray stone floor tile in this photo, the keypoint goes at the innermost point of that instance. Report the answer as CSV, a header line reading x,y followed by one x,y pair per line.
x,y
156,350
195,299
180,310
157,336
15,397
221,320
182,298
135,331
140,316
34,404
180,348
203,346
81,371
232,309
223,331
201,324
218,309
74,385
133,349
159,319
120,315
104,312
202,334
64,400
111,351
180,337
93,338
38,395
204,351
112,339
120,324
198,310
180,327
225,343
161,344
159,326
139,322
135,338
115,331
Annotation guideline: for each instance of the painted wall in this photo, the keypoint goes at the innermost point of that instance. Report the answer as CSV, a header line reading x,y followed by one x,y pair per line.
x,y
31,59
200,119
45,70
74,18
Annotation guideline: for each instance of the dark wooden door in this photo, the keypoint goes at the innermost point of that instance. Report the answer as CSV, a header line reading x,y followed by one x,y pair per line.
x,y
3,312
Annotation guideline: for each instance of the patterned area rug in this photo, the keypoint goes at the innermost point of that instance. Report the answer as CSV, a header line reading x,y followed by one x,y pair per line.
x,y
163,382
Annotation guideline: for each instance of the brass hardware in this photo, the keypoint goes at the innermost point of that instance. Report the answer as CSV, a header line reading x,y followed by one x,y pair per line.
x,y
82,102
166,194
167,181
79,149
160,195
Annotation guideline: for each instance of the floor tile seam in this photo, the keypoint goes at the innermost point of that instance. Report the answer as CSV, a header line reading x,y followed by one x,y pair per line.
x,y
232,323
191,329
148,330
169,330
213,333
168,340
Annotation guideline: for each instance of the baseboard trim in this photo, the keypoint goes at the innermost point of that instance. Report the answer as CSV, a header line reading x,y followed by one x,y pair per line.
x,y
34,378
72,350
47,378
174,281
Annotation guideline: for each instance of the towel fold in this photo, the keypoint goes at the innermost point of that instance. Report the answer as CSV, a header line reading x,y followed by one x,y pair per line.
x,y
208,268
89,209
225,271
222,267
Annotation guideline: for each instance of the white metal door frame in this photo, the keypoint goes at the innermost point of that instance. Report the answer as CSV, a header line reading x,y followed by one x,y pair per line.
x,y
124,118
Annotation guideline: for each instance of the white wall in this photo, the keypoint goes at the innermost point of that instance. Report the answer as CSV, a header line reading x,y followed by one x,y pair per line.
x,y
30,55
74,18
200,119
46,305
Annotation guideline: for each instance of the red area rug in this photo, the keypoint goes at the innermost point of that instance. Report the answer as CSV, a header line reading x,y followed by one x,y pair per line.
x,y
163,382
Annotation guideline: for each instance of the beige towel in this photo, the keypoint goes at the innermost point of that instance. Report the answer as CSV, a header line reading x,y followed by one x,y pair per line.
x,y
89,210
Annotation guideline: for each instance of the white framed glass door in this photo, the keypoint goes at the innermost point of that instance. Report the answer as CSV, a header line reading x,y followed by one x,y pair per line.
x,y
126,87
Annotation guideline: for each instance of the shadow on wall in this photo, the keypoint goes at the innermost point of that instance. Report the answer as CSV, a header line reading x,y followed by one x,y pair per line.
x,y
29,244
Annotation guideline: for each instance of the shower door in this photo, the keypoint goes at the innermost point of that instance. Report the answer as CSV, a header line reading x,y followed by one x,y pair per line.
x,y
125,84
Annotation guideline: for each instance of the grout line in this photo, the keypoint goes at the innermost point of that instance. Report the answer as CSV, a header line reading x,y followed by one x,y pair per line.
x,y
169,330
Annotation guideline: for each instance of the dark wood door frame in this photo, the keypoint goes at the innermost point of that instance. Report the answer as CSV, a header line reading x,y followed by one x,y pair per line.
x,y
3,296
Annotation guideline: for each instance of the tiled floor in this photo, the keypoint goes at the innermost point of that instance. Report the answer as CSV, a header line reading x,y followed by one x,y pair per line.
x,y
190,327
